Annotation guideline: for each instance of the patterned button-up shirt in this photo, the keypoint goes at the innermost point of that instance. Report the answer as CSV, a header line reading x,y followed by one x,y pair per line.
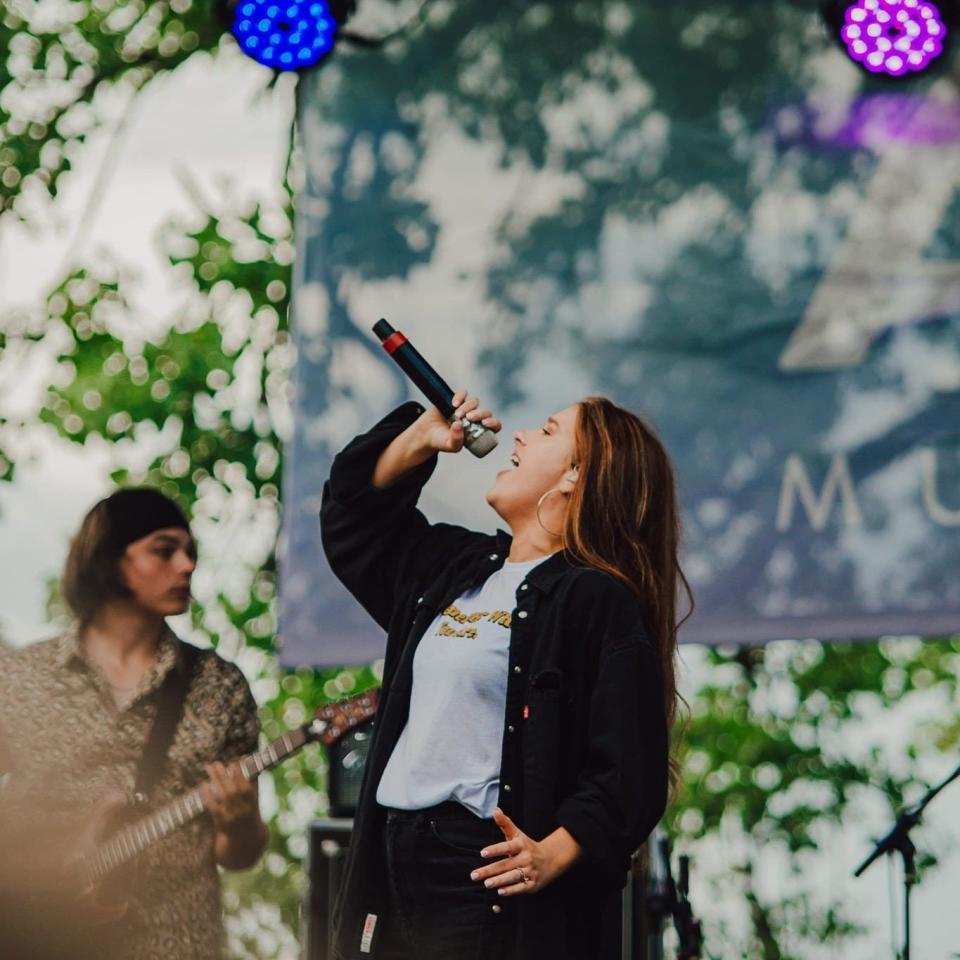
x,y
65,747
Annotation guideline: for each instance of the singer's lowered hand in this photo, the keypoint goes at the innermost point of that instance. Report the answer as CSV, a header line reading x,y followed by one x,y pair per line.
x,y
427,434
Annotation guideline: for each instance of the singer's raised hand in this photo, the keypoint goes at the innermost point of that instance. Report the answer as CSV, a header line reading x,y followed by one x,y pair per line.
x,y
428,433
438,434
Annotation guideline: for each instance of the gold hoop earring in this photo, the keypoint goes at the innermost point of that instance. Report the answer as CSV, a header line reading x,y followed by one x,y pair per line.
x,y
540,504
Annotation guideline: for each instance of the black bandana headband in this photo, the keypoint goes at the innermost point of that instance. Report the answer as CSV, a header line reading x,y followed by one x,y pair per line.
x,y
137,512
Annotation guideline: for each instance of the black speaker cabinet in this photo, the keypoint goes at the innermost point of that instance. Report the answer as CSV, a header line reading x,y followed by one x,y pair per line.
x,y
327,842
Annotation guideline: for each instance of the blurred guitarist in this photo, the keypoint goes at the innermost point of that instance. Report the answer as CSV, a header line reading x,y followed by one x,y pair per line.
x,y
118,708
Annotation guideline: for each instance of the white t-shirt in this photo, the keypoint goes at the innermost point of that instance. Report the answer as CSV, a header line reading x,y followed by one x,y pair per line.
x,y
450,748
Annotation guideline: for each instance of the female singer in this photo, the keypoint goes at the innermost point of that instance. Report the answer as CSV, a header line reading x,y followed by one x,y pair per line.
x,y
522,747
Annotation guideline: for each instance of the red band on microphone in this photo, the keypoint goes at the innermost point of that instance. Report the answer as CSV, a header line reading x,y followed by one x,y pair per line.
x,y
396,339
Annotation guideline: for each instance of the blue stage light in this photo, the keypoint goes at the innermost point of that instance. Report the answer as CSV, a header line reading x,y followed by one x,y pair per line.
x,y
287,35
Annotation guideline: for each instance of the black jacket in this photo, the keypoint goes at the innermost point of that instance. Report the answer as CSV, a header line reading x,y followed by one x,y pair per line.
x,y
584,743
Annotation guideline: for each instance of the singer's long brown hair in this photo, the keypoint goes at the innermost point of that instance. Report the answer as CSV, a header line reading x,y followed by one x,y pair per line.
x,y
623,518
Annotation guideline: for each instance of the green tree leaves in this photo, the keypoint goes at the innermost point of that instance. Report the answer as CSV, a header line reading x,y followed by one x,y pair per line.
x,y
61,63
783,747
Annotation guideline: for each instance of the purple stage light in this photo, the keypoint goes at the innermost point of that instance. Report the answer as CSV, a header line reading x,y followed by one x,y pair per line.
x,y
893,36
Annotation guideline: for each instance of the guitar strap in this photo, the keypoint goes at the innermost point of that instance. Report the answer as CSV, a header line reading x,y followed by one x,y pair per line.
x,y
171,697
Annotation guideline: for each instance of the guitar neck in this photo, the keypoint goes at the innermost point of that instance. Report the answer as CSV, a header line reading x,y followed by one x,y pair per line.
x,y
132,840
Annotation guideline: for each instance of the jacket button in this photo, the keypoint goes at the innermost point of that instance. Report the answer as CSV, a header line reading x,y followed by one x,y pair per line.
x,y
494,556
506,788
523,586
496,908
419,599
518,669
522,614
511,728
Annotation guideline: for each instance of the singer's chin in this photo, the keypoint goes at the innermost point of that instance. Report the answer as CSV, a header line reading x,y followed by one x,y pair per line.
x,y
499,489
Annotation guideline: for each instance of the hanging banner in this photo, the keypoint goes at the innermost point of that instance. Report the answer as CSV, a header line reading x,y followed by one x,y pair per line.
x,y
707,213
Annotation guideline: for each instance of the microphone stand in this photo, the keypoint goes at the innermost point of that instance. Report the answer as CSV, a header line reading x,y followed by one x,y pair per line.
x,y
674,901
898,840
689,932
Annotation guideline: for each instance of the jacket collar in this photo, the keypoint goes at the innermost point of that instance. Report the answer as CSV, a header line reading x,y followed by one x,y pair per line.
x,y
544,576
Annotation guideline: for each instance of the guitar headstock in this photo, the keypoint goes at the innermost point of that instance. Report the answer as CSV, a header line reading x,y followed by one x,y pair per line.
x,y
333,720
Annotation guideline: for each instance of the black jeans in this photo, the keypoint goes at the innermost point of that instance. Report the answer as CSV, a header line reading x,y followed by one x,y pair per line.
x,y
436,911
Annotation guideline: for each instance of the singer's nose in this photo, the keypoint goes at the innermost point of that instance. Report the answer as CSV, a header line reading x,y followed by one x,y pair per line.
x,y
518,438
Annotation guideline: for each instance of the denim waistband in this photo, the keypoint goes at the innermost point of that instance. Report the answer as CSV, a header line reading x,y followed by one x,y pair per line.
x,y
448,810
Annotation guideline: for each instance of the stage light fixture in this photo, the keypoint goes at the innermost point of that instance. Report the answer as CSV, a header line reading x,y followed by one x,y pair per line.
x,y
287,34
893,37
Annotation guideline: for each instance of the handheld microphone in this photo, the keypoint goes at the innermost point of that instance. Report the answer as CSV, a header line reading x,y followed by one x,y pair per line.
x,y
477,438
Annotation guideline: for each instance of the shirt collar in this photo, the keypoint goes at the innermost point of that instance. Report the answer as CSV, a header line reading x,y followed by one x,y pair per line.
x,y
69,652
169,657
169,653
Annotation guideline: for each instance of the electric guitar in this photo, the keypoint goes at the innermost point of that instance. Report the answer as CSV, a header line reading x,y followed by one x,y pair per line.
x,y
106,849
